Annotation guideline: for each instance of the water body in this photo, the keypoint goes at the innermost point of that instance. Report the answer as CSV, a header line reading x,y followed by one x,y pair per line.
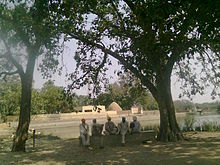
x,y
202,119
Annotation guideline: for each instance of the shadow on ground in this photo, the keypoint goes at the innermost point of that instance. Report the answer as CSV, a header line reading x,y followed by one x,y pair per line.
x,y
202,148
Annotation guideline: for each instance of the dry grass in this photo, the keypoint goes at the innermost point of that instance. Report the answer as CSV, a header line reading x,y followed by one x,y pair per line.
x,y
202,148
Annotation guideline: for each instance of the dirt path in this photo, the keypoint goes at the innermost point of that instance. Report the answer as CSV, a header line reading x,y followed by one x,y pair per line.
x,y
5,131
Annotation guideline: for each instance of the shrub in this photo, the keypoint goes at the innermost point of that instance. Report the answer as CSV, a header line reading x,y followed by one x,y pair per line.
x,y
210,126
207,126
189,121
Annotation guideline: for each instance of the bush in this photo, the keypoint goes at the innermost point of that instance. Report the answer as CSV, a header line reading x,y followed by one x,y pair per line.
x,y
3,117
198,128
189,121
210,126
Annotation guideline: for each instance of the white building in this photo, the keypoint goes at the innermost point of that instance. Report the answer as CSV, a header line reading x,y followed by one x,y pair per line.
x,y
93,109
136,110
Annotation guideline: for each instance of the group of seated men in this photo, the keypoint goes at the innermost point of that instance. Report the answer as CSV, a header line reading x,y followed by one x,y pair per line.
x,y
110,129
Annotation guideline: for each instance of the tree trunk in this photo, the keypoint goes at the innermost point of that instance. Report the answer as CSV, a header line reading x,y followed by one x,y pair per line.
x,y
169,129
25,107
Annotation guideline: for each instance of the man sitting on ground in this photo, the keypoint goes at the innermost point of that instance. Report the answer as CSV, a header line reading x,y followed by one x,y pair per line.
x,y
110,127
96,128
135,125
97,131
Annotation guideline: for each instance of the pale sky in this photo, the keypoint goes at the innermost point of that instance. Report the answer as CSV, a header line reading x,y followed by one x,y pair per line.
x,y
70,64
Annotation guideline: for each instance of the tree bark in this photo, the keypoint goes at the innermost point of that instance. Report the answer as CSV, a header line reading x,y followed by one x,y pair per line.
x,y
169,129
25,107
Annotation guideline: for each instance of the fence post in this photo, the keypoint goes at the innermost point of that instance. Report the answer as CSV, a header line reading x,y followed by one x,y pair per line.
x,y
33,138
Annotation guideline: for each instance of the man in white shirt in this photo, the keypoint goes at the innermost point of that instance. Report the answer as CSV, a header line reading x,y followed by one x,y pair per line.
x,y
123,128
84,133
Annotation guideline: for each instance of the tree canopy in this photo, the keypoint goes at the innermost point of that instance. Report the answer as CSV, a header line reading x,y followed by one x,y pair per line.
x,y
26,31
127,92
148,38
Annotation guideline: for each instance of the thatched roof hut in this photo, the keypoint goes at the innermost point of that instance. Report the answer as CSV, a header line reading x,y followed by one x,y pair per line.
x,y
114,107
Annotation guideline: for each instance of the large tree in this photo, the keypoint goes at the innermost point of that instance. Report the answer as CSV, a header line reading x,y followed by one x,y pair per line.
x,y
147,37
25,34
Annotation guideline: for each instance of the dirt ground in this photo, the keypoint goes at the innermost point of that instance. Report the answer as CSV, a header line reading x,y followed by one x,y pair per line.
x,y
200,148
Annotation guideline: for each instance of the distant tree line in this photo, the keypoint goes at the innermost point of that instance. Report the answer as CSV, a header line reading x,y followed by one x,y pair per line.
x,y
181,105
127,92
47,100
213,106
9,97
52,99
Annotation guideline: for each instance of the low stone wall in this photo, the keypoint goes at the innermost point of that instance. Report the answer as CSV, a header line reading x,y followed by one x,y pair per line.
x,y
130,139
71,116
64,116
68,116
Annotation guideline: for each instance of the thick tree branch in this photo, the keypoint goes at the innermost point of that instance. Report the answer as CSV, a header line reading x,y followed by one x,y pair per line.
x,y
171,62
175,57
5,74
126,64
77,80
100,66
13,61
119,15
131,5
213,67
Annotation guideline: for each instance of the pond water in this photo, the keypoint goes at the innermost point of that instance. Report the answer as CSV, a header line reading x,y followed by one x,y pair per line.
x,y
199,121
202,119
